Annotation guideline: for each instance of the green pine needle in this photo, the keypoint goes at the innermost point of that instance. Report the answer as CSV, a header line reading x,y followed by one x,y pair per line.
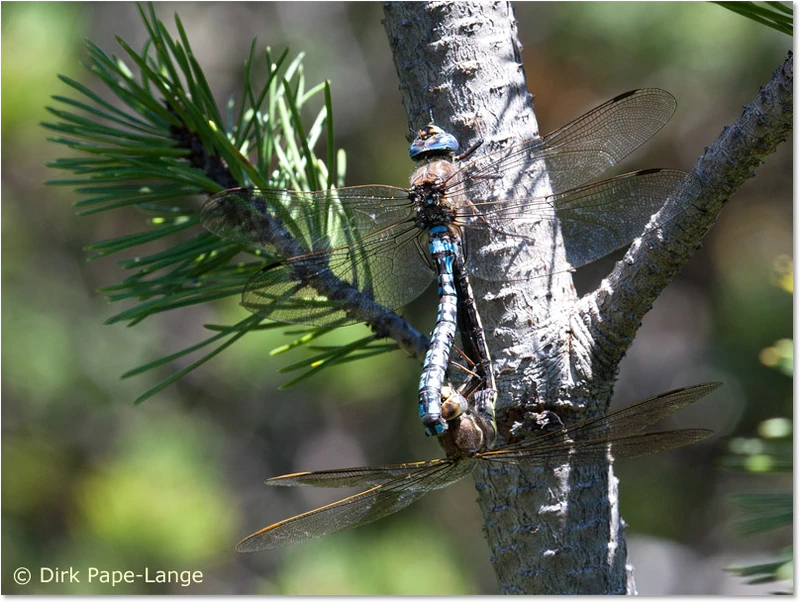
x,y
763,512
769,572
164,144
776,15
329,357
238,332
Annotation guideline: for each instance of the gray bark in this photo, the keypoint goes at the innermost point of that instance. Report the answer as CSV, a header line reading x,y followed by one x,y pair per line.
x,y
556,532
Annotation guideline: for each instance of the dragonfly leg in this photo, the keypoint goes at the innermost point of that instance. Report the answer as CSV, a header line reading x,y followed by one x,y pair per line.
x,y
467,153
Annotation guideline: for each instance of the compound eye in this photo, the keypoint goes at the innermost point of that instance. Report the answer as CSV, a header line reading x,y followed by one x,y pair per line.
x,y
453,403
432,140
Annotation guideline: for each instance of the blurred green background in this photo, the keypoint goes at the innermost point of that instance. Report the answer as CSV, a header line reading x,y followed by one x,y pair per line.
x,y
90,480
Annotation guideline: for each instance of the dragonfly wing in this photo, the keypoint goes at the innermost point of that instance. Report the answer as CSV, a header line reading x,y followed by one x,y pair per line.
x,y
363,476
579,151
595,219
642,414
587,147
603,217
319,288
318,221
356,510
622,422
361,236
597,451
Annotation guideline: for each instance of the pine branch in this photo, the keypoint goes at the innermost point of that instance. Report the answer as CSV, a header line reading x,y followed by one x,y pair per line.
x,y
169,144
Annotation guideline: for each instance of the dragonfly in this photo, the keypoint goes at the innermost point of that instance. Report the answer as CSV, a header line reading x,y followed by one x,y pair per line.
x,y
390,242
468,441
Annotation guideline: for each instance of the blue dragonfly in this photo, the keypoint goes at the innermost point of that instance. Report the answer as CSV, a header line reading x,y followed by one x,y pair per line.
x,y
390,242
388,489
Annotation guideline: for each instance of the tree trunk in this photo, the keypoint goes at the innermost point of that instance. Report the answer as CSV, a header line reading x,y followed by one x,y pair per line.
x,y
555,532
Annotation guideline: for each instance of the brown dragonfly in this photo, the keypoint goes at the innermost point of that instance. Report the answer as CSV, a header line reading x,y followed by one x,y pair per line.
x,y
468,440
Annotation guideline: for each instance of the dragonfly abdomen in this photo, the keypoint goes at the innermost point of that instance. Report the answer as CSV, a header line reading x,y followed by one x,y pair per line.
x,y
473,336
443,251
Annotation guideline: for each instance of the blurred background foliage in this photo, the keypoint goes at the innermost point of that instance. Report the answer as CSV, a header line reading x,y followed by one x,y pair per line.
x,y
90,480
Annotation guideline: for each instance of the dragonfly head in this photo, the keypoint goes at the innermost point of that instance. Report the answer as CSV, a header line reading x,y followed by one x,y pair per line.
x,y
432,141
453,403
471,425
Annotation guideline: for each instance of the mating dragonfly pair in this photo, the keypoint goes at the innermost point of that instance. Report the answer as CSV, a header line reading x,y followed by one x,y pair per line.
x,y
370,239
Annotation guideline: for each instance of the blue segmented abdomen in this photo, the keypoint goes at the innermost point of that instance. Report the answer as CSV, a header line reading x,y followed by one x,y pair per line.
x,y
437,358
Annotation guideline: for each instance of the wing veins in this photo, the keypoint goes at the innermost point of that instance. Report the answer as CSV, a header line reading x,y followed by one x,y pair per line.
x,y
352,511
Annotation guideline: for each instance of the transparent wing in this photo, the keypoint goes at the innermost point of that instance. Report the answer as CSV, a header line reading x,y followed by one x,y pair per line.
x,y
579,151
597,451
318,221
589,440
357,510
597,440
362,476
391,266
362,237
595,219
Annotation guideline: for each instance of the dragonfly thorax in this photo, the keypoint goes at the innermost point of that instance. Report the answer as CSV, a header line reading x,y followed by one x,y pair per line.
x,y
429,194
467,435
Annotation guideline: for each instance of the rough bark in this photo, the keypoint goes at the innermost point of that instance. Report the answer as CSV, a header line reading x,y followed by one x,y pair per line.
x,y
556,532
